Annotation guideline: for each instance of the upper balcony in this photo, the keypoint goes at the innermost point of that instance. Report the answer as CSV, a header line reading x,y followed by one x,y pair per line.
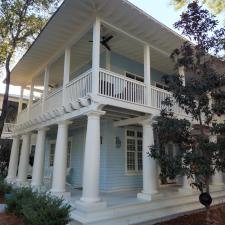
x,y
101,64
111,86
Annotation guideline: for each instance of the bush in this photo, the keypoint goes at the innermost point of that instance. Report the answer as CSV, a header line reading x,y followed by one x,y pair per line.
x,y
4,187
39,209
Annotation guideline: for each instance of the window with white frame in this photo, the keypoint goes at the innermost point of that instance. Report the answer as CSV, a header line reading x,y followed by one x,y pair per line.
x,y
134,142
52,153
134,76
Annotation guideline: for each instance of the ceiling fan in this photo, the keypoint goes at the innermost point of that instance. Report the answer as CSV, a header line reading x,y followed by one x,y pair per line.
x,y
105,40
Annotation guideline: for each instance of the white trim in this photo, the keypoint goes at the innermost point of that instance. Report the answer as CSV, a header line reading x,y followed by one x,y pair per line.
x,y
136,172
49,147
134,74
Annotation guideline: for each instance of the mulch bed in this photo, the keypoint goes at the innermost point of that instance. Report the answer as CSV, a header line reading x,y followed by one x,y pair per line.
x,y
10,219
198,218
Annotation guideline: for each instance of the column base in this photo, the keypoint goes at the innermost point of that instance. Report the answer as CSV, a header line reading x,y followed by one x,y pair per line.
x,y
148,196
60,194
10,180
38,188
217,187
22,183
90,206
186,190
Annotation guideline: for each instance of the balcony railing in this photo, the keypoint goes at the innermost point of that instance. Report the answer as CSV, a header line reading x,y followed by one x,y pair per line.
x,y
8,130
111,85
122,88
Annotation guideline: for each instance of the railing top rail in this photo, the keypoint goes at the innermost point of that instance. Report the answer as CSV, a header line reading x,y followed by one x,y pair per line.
x,y
161,90
36,103
122,77
54,92
76,79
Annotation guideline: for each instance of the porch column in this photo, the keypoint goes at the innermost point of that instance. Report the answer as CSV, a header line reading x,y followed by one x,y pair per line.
x,y
150,173
45,92
24,159
60,160
66,74
96,55
14,158
38,167
217,178
31,98
20,106
147,74
182,74
92,159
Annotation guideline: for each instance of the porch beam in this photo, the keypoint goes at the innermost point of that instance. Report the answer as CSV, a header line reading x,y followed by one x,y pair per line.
x,y
135,38
96,55
130,121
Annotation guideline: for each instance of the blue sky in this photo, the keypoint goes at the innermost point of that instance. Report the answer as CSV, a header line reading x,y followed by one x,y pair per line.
x,y
160,10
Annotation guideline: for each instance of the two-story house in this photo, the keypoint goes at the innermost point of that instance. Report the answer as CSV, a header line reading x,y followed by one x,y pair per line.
x,y
99,64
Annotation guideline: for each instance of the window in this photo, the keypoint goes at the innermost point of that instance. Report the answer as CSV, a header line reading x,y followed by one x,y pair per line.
x,y
52,153
134,142
161,86
134,76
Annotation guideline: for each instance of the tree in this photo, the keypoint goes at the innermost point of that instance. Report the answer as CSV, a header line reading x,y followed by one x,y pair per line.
x,y
217,6
20,23
202,98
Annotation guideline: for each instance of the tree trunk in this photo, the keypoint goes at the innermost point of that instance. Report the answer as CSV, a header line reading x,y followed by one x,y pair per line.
x,y
6,95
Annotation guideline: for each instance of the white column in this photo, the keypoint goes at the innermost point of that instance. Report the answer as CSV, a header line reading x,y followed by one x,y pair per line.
x,y
217,178
147,73
96,55
182,74
66,74
92,159
14,158
150,173
45,92
60,160
108,60
31,98
20,106
38,167
24,159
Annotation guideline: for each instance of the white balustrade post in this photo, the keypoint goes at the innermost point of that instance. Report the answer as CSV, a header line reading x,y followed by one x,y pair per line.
x,y
91,170
14,158
150,172
38,167
45,92
96,55
147,74
24,159
217,178
60,160
66,74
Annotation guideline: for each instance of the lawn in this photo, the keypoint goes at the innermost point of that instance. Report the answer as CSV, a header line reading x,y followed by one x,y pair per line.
x,y
217,216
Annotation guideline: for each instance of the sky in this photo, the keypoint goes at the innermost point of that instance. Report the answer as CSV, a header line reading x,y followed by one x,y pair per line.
x,y
159,9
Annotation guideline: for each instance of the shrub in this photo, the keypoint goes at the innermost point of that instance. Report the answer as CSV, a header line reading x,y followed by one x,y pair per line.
x,y
4,187
39,209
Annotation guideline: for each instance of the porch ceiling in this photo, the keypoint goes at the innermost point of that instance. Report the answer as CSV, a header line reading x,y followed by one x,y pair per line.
x,y
76,16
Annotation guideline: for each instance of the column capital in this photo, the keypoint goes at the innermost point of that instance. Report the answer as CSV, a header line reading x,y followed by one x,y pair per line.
x,y
64,122
149,121
95,113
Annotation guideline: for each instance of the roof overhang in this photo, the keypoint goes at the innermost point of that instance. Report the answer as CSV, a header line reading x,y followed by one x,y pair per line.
x,y
75,17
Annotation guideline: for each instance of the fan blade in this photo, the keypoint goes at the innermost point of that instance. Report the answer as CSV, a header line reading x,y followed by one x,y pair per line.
x,y
108,38
106,46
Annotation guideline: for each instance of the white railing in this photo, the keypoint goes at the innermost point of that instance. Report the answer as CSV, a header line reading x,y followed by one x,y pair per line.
x,y
79,87
53,100
120,87
36,109
8,130
159,95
